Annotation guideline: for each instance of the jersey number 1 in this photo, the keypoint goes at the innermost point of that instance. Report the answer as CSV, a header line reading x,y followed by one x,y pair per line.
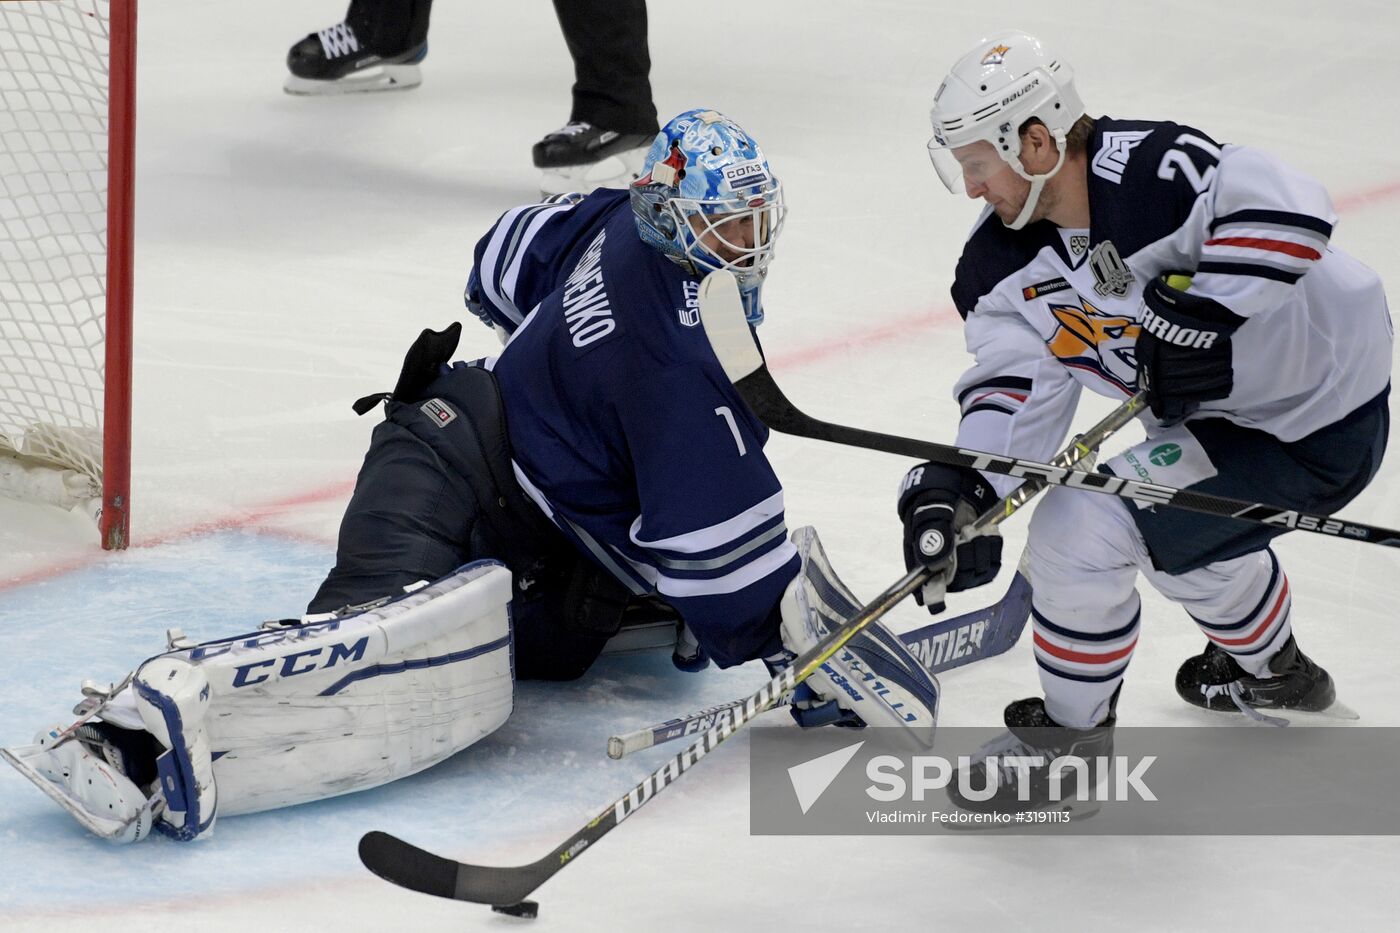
x,y
728,416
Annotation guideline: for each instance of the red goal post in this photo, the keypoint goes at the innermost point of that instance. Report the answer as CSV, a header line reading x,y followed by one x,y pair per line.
x,y
67,134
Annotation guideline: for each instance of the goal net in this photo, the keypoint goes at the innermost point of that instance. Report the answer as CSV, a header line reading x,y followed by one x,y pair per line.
x,y
67,81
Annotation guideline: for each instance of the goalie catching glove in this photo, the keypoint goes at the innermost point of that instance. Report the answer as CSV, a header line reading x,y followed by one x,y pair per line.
x,y
872,680
935,503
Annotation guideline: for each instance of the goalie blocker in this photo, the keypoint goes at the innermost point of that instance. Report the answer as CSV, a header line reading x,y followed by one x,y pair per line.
x,y
291,713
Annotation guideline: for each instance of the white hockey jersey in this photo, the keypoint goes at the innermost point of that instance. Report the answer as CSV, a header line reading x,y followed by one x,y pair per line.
x,y
1049,310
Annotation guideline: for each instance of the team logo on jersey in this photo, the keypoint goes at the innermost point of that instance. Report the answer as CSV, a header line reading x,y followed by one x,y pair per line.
x,y
690,314
1041,289
1164,455
1111,274
1078,243
1086,338
438,410
1112,158
996,55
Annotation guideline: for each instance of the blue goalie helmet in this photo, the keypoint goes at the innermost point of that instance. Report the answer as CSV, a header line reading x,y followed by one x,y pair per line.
x,y
707,199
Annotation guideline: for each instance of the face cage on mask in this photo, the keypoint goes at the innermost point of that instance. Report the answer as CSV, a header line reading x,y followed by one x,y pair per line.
x,y
750,263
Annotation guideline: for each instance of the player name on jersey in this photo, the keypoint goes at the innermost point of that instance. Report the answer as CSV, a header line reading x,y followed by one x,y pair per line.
x,y
585,299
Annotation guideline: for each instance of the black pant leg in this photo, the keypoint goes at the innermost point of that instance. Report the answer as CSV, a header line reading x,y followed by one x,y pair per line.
x,y
409,519
607,40
390,26
417,513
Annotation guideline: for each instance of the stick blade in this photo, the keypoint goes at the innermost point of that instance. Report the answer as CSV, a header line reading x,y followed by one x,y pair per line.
x,y
722,315
408,866
990,631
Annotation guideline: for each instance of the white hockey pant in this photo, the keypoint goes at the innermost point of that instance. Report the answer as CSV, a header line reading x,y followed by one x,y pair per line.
x,y
1085,553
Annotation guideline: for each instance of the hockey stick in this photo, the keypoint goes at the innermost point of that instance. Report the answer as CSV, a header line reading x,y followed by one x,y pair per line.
x,y
408,866
734,345
940,646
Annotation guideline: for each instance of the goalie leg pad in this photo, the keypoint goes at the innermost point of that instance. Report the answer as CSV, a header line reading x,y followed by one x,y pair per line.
x,y
873,676
172,696
297,712
361,698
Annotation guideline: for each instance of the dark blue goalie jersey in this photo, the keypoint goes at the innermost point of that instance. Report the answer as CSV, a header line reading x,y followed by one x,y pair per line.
x,y
624,428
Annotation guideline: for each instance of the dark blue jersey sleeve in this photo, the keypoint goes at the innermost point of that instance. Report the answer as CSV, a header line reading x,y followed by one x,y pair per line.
x,y
711,517
528,250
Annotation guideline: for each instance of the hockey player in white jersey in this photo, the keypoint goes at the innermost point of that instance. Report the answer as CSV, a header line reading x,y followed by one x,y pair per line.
x,y
1118,255
512,517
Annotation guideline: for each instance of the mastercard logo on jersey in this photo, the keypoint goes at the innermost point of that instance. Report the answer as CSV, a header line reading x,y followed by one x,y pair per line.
x,y
1032,292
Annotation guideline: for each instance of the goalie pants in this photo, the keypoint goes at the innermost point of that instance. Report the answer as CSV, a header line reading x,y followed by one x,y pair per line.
x,y
1086,550
435,492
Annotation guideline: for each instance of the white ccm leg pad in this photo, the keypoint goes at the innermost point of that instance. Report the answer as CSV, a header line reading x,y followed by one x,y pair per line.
x,y
292,713
352,702
873,675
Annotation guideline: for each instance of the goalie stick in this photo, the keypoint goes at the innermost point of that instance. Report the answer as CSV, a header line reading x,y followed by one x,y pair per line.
x,y
506,888
941,646
735,346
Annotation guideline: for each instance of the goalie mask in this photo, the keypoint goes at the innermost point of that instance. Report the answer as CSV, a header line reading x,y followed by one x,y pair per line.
x,y
708,200
988,96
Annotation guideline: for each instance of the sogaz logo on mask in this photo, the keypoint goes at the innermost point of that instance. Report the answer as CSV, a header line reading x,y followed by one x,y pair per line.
x,y
1164,455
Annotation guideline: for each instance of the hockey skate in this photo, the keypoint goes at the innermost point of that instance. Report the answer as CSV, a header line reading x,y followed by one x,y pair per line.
x,y
1214,680
84,771
1065,766
580,157
336,61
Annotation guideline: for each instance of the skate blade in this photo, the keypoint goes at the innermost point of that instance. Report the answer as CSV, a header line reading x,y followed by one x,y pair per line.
x,y
616,171
376,78
133,830
1338,711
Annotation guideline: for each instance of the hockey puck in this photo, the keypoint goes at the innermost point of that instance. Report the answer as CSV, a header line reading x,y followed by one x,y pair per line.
x,y
527,909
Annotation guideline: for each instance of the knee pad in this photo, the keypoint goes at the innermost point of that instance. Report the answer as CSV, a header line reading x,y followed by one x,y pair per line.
x,y
1083,550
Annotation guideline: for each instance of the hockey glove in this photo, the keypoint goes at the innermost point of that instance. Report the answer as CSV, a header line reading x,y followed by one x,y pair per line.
x,y
1183,350
935,502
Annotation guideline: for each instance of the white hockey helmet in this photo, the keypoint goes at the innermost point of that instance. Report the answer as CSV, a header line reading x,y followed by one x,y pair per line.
x,y
989,94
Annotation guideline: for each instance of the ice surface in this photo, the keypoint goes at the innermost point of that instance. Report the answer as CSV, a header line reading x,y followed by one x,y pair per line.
x,y
288,251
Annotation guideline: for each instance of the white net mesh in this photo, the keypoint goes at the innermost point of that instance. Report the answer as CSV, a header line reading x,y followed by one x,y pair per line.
x,y
53,223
